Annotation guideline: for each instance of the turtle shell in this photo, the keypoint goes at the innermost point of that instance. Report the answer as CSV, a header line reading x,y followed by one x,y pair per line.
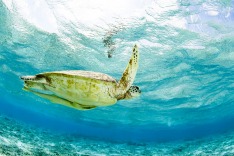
x,y
83,87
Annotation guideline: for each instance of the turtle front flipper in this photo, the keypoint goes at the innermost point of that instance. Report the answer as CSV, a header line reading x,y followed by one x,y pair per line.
x,y
129,74
58,100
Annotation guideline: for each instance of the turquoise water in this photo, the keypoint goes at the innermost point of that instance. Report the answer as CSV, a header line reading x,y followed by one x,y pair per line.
x,y
185,74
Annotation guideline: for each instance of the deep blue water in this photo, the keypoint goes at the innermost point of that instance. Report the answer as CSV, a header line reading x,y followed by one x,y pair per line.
x,y
185,72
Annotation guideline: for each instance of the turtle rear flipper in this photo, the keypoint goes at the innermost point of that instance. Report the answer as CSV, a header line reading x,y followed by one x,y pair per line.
x,y
36,87
34,78
28,78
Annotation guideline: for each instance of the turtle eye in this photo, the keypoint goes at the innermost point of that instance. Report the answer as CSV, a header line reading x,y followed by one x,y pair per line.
x,y
137,88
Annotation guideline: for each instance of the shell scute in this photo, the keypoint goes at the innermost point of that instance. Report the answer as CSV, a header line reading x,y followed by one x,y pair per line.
x,y
82,85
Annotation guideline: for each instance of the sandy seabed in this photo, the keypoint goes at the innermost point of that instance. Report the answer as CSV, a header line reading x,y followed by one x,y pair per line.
x,y
18,139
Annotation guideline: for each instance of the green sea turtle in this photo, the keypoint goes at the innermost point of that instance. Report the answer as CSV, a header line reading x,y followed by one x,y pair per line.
x,y
85,90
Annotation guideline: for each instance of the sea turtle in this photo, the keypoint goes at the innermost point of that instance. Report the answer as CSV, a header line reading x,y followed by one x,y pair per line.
x,y
85,90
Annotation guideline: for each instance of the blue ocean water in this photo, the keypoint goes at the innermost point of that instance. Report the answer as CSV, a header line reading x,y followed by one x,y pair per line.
x,y
185,74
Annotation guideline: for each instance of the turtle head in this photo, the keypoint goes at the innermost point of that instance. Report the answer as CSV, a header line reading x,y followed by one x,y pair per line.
x,y
133,91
